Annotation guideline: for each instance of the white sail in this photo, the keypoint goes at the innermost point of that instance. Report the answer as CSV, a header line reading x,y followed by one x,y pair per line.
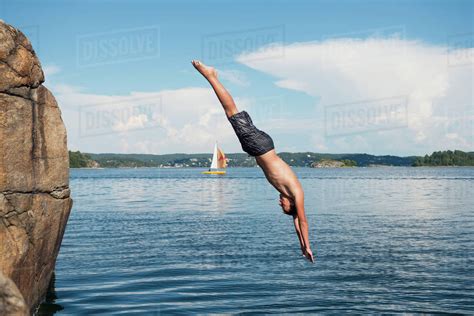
x,y
214,158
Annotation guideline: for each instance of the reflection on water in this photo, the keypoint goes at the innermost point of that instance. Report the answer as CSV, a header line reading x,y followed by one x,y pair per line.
x,y
49,306
152,241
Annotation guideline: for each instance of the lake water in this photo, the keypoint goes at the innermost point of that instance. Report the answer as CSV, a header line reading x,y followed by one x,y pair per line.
x,y
173,241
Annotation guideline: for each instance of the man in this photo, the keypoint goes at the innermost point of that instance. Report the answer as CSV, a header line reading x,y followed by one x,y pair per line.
x,y
260,145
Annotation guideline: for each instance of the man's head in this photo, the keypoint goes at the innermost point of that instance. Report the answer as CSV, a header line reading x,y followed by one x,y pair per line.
x,y
288,206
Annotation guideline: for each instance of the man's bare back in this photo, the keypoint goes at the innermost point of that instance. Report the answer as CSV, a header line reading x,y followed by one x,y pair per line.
x,y
260,145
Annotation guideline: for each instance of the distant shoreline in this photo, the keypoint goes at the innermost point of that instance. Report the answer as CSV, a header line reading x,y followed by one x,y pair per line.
x,y
454,158
249,167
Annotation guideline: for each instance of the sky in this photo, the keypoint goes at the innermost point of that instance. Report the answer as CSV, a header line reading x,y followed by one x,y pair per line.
x,y
377,77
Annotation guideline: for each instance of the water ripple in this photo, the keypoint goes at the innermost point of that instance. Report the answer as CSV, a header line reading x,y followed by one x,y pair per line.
x,y
171,241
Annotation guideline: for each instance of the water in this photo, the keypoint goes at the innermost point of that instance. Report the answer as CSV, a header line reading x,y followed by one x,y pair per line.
x,y
167,241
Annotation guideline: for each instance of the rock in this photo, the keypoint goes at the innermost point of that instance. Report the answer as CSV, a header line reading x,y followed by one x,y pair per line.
x,y
34,170
93,164
328,163
11,300
19,66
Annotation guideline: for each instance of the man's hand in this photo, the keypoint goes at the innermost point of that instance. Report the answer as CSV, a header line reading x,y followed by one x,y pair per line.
x,y
302,250
308,254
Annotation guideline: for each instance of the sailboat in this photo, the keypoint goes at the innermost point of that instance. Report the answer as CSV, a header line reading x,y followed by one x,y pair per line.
x,y
218,162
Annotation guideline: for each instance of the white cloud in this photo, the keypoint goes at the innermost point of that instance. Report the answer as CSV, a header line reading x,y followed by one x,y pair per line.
x,y
340,71
133,122
235,77
50,70
439,103
181,120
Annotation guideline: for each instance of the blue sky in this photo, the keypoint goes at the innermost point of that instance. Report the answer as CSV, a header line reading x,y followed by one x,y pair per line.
x,y
424,45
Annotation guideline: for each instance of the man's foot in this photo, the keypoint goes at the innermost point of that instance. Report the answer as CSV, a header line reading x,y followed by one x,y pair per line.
x,y
206,71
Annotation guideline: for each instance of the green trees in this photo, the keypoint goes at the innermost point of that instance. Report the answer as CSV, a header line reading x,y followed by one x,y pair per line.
x,y
306,159
349,163
78,159
446,158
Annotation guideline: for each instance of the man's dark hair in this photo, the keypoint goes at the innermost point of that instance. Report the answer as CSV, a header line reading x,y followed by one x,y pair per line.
x,y
292,211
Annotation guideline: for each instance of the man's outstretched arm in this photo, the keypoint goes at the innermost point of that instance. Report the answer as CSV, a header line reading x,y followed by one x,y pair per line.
x,y
303,224
296,222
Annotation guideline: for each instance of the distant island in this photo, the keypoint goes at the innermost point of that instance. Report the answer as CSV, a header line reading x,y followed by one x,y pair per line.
x,y
305,159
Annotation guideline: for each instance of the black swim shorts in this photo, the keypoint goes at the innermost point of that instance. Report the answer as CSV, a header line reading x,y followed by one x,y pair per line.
x,y
254,141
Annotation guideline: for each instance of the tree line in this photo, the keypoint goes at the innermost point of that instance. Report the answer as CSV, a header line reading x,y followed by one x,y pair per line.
x,y
446,158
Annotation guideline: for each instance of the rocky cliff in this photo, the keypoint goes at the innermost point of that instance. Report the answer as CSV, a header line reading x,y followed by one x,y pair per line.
x,y
34,170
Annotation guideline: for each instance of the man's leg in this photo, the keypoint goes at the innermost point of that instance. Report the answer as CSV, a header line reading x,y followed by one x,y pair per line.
x,y
224,97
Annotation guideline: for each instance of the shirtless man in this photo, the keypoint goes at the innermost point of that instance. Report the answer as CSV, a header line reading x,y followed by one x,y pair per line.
x,y
258,144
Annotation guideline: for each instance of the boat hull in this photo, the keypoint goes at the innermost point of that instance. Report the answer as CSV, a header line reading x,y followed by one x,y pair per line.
x,y
213,172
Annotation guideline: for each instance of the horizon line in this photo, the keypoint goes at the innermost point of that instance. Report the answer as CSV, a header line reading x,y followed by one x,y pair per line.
x,y
282,152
